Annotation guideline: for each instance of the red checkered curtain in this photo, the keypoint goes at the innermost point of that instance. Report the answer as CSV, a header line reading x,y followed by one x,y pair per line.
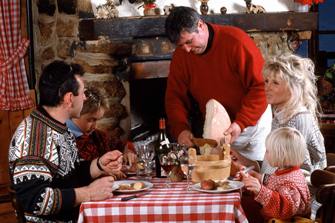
x,y
14,89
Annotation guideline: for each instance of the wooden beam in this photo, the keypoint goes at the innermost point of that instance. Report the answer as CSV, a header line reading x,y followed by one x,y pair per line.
x,y
150,26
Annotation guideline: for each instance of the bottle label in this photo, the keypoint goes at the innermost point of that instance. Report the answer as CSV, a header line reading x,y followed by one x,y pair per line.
x,y
165,142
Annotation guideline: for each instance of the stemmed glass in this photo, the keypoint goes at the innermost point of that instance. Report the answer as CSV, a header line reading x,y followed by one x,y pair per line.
x,y
146,153
167,165
187,165
169,160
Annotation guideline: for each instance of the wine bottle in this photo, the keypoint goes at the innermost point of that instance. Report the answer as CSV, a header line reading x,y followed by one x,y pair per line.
x,y
163,146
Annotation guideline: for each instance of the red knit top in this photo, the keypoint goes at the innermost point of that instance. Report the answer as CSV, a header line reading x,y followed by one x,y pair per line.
x,y
285,194
230,72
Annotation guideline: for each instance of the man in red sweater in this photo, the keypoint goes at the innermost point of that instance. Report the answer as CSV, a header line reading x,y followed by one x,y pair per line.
x,y
219,62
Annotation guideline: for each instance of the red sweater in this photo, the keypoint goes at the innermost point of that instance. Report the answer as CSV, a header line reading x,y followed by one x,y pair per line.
x,y
284,195
230,72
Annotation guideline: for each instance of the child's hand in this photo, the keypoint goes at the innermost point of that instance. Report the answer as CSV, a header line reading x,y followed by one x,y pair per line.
x,y
251,183
238,175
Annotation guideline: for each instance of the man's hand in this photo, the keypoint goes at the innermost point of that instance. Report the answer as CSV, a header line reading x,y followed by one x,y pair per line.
x,y
185,138
99,189
234,130
111,162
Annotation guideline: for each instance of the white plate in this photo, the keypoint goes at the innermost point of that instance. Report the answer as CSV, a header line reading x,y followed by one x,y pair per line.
x,y
115,187
234,185
147,185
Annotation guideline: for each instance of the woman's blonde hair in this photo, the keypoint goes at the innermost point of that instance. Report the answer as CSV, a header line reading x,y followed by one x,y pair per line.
x,y
298,73
94,101
286,147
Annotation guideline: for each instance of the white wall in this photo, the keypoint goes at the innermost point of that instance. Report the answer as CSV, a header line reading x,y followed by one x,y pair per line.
x,y
233,6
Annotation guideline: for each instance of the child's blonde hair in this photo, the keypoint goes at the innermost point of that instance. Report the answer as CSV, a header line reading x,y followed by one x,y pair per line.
x,y
286,147
298,73
94,101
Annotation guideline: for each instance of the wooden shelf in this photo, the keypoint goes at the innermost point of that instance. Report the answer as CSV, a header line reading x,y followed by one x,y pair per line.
x,y
151,26
160,57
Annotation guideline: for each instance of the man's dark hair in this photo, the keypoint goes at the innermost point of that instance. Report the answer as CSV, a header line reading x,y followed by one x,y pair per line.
x,y
181,19
57,79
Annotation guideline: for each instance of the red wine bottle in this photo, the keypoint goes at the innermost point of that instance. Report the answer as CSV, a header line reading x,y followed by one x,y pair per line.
x,y
163,146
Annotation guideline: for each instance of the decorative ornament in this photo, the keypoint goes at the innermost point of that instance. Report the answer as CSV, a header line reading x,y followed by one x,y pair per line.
x,y
204,7
223,10
150,8
253,9
107,11
167,9
309,2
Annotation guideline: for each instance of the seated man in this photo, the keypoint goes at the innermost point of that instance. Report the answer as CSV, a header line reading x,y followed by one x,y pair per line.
x,y
49,180
92,142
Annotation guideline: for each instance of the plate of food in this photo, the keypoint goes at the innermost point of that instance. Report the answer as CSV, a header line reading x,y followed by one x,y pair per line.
x,y
219,186
132,186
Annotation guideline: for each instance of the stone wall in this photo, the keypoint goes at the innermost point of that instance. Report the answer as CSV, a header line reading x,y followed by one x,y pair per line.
x,y
56,37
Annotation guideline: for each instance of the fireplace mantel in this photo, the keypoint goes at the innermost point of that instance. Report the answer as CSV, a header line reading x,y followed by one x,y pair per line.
x,y
152,26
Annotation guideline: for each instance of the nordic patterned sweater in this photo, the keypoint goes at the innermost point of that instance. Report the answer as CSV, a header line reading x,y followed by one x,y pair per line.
x,y
284,194
45,169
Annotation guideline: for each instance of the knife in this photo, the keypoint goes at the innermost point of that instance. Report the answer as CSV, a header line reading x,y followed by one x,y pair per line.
x,y
246,170
134,196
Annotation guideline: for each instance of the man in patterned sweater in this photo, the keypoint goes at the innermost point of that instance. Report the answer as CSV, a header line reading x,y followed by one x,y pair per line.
x,y
47,176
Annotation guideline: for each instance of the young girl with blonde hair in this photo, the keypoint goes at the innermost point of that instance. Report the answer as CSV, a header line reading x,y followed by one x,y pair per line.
x,y
290,87
284,193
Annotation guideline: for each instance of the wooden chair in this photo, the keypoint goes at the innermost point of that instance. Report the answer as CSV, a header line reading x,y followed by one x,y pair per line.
x,y
17,206
322,177
330,159
326,196
324,182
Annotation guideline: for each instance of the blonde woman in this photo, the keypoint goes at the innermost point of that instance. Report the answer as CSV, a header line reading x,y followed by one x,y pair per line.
x,y
290,87
284,193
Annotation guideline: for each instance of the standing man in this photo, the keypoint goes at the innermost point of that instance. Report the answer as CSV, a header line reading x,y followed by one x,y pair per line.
x,y
219,62
47,176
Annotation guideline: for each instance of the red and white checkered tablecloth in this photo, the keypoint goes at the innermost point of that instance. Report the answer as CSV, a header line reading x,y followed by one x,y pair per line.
x,y
174,204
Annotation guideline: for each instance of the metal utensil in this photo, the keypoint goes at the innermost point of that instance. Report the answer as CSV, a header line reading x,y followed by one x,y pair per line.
x,y
134,196
246,170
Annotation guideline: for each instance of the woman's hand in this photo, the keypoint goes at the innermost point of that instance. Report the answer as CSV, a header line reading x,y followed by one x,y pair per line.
x,y
251,183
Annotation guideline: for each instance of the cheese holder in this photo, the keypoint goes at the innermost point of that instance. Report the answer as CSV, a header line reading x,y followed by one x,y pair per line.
x,y
211,166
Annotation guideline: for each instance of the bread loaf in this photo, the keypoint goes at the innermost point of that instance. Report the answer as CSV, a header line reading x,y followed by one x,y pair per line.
x,y
138,185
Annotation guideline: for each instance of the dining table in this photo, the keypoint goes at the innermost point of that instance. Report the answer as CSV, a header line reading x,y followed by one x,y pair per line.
x,y
161,204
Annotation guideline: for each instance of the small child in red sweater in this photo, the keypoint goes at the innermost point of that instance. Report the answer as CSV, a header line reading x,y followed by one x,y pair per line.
x,y
284,193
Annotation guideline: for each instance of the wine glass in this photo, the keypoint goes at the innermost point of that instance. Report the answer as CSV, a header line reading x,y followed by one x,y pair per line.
x,y
167,165
146,153
185,169
187,165
169,160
